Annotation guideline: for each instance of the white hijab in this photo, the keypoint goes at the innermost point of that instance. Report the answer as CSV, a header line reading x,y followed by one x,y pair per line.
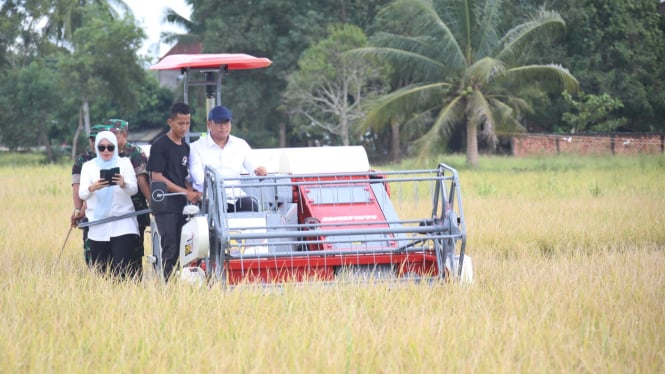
x,y
105,195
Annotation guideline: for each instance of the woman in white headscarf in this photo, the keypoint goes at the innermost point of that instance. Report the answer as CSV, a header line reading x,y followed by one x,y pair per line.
x,y
112,244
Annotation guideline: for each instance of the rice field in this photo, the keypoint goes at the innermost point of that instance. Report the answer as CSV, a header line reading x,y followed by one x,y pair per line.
x,y
568,254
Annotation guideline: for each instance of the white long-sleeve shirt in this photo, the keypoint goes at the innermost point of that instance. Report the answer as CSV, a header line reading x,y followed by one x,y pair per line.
x,y
231,161
122,201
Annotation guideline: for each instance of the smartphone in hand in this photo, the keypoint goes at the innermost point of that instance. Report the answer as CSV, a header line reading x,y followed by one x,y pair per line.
x,y
108,174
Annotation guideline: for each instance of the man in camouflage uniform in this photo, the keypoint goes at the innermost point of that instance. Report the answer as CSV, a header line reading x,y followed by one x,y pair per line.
x,y
79,205
140,162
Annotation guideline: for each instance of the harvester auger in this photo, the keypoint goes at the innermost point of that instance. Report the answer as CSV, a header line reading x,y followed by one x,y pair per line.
x,y
324,215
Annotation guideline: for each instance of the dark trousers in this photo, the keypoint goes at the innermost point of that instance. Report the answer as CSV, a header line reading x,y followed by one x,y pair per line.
x,y
138,252
244,204
169,226
86,248
118,255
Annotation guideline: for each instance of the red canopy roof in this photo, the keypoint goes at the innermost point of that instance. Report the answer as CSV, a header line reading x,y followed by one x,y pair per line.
x,y
234,61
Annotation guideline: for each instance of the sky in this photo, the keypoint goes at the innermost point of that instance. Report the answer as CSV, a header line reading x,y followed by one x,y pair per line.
x,y
149,15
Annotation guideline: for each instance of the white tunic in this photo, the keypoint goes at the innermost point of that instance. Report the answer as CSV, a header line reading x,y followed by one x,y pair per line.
x,y
122,201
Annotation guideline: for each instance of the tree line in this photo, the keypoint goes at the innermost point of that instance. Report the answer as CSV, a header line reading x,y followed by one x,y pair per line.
x,y
401,77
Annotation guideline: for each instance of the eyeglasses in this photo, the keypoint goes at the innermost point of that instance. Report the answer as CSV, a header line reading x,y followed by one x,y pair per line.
x,y
103,148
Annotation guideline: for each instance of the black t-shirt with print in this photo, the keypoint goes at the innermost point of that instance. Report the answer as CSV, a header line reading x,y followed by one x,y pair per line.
x,y
172,160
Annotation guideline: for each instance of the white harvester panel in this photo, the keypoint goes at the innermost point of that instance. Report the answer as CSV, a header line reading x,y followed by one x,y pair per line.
x,y
194,241
249,225
312,160
268,157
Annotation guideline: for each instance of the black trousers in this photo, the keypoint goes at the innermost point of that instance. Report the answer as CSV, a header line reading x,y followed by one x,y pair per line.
x,y
244,204
169,226
86,248
138,253
118,255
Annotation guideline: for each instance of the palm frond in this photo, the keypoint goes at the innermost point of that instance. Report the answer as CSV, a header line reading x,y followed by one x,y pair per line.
x,y
478,110
483,71
420,18
401,104
173,17
424,66
519,105
489,17
425,45
551,77
416,44
543,22
468,25
506,119
480,114
450,115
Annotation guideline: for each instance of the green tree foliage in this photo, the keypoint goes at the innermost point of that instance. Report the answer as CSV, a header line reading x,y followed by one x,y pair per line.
x,y
152,107
327,91
21,35
592,113
30,98
67,16
33,101
624,51
460,70
104,60
615,47
86,51
276,29
103,64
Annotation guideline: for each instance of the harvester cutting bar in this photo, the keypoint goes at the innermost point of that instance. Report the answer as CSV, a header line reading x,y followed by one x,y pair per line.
x,y
270,271
328,253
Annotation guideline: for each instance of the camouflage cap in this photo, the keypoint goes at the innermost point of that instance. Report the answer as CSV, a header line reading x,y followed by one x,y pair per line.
x,y
96,129
117,125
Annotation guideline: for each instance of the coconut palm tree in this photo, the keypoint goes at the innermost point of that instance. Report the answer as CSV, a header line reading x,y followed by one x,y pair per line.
x,y
460,72
192,31
66,16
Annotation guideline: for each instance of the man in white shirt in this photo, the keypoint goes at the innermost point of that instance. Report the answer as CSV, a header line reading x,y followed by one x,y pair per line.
x,y
229,155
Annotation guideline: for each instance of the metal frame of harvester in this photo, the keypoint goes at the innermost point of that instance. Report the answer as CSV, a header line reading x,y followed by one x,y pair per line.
x,y
324,214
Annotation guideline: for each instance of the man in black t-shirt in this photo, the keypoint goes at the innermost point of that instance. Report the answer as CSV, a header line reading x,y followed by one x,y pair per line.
x,y
168,163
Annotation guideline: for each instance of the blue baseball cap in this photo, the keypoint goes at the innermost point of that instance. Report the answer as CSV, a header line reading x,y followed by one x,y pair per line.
x,y
219,114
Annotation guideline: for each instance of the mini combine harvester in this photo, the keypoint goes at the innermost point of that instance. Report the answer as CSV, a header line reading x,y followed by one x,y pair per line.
x,y
324,214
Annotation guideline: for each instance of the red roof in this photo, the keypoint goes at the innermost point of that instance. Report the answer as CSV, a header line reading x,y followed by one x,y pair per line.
x,y
185,48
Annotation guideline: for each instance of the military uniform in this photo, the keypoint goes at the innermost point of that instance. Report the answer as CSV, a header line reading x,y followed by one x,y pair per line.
x,y
139,162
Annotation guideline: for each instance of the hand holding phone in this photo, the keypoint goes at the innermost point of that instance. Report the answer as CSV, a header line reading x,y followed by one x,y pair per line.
x,y
108,174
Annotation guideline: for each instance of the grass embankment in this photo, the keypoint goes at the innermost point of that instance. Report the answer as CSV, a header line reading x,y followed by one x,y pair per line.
x,y
568,256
